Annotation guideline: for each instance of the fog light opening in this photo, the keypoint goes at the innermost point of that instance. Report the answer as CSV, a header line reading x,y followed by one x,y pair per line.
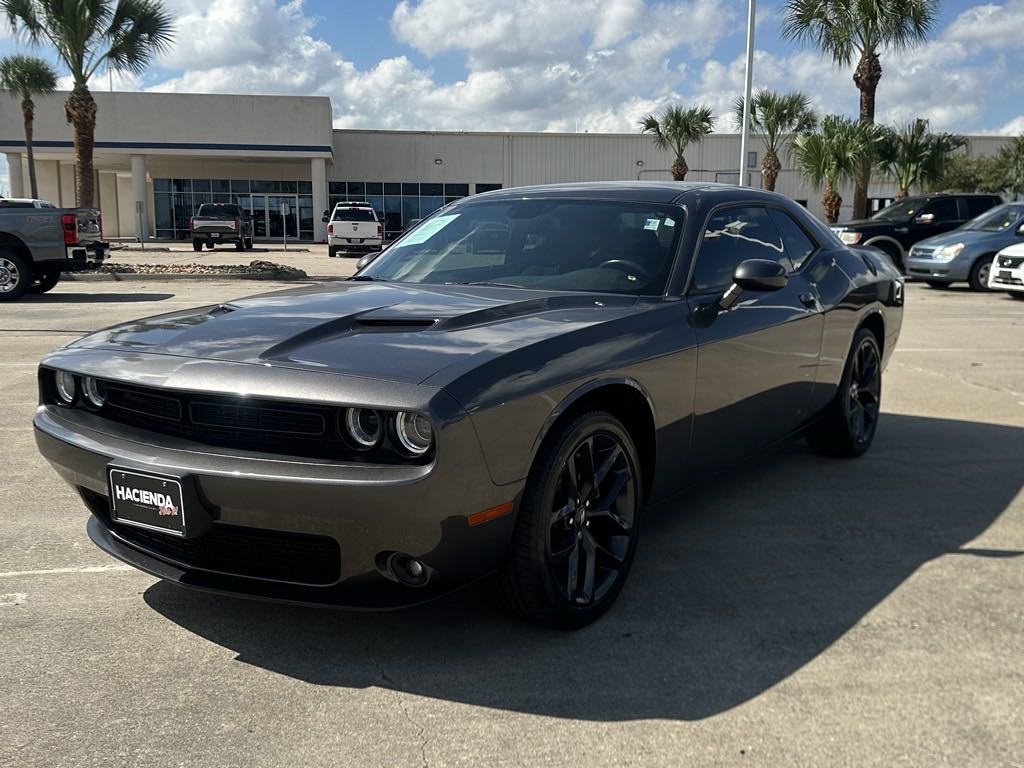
x,y
406,569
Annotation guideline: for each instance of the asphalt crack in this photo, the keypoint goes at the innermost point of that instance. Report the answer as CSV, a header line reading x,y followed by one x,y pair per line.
x,y
378,667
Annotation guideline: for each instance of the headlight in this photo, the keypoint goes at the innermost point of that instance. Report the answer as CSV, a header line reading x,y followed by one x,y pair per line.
x,y
66,389
850,238
95,391
364,426
414,432
949,252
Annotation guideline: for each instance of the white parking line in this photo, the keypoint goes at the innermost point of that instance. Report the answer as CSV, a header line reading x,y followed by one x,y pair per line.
x,y
80,569
954,349
13,598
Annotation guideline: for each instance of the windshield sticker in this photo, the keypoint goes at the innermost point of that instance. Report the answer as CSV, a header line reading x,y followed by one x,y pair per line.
x,y
428,229
670,222
652,224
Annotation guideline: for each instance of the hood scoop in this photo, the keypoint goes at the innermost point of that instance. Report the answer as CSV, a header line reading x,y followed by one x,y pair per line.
x,y
394,324
350,325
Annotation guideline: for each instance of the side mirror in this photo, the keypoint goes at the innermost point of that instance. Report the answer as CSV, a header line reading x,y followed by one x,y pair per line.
x,y
925,218
754,275
366,260
324,218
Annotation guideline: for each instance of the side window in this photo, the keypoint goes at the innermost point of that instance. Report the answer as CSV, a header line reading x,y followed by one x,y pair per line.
x,y
943,209
796,242
978,205
733,235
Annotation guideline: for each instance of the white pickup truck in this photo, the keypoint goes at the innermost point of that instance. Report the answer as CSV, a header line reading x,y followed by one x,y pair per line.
x,y
353,228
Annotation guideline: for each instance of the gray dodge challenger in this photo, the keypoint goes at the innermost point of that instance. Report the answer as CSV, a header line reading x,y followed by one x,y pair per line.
x,y
502,391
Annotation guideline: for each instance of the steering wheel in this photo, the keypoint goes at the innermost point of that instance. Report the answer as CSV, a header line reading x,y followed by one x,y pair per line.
x,y
626,266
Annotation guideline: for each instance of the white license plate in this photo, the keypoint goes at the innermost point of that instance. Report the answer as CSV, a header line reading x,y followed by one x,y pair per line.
x,y
355,239
215,234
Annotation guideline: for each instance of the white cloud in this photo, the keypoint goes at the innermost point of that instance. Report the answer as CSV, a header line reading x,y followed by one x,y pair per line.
x,y
593,65
1014,127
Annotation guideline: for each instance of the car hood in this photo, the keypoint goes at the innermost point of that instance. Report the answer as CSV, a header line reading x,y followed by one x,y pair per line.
x,y
971,238
397,332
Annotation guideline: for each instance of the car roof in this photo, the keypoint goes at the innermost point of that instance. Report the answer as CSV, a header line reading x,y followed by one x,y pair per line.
x,y
639,191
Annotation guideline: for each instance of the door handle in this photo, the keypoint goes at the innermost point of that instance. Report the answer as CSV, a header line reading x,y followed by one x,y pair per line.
x,y
808,299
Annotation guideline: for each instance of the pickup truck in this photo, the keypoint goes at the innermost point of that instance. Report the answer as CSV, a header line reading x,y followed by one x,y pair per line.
x,y
353,228
221,223
38,243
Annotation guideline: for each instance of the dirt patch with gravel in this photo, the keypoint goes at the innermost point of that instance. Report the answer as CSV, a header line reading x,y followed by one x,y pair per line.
x,y
257,267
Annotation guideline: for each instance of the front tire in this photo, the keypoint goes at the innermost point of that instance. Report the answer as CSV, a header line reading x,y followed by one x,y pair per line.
x,y
847,428
937,285
15,276
45,281
577,525
979,274
197,245
239,245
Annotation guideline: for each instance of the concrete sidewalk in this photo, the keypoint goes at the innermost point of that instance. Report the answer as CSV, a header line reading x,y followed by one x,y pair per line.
x,y
312,258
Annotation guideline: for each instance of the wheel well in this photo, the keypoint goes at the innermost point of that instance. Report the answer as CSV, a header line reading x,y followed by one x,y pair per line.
x,y
628,405
876,325
983,256
12,243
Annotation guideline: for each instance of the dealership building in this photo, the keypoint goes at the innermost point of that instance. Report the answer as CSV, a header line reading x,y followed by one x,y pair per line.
x,y
159,156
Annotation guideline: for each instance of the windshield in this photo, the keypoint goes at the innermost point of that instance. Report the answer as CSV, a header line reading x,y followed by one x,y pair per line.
x,y
902,210
996,220
546,244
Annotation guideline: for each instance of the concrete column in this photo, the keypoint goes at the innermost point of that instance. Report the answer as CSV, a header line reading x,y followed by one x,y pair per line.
x,y
318,175
15,174
140,216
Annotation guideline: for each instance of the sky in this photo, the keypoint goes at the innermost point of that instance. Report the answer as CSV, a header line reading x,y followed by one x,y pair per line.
x,y
556,65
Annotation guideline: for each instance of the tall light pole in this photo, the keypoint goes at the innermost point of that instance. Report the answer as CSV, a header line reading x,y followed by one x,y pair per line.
x,y
745,129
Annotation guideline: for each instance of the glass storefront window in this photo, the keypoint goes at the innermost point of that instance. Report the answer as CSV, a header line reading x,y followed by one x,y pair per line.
x,y
240,187
392,214
201,185
429,204
456,190
391,188
221,185
374,188
486,187
305,187
410,189
181,185
431,190
336,187
356,190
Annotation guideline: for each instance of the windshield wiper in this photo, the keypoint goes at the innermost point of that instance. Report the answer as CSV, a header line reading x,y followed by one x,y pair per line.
x,y
488,284
367,279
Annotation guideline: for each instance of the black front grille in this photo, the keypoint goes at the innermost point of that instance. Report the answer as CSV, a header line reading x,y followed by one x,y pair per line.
x,y
301,558
284,428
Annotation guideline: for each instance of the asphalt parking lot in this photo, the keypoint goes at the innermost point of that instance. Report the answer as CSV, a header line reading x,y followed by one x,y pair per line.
x,y
801,612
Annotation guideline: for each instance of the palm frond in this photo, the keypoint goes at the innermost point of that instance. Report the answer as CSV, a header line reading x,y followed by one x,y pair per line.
x,y
26,75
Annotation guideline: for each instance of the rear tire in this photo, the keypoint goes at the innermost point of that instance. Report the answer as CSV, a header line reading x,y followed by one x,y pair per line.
x,y
209,245
577,525
979,273
15,275
1019,295
197,245
248,244
332,251
847,428
937,285
239,245
45,281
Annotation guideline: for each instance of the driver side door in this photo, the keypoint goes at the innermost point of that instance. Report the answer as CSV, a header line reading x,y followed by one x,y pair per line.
x,y
756,361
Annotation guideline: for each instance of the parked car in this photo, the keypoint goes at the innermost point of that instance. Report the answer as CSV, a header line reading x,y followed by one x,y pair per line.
x,y
1007,273
448,413
25,202
965,254
221,223
353,228
39,242
897,227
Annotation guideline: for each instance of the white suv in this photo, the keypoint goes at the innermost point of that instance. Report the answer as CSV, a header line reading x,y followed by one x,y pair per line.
x,y
353,228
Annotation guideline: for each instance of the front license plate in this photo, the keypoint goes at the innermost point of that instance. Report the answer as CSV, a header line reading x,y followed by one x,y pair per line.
x,y
147,501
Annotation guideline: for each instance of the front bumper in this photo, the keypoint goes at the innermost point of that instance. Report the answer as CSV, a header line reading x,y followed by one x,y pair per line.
x,y
934,270
286,508
1003,277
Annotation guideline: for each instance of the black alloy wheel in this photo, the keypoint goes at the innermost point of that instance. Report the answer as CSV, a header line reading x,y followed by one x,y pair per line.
x,y
865,392
848,425
576,531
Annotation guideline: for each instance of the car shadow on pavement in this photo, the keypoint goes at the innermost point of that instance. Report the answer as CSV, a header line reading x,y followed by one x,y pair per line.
x,y
95,298
737,585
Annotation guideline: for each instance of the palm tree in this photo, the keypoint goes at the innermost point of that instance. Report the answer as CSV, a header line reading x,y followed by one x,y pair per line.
x,y
1011,158
832,155
913,157
27,76
773,115
678,129
120,35
860,30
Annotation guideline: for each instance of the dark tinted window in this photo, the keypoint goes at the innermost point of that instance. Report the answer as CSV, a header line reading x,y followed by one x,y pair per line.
x,y
796,242
978,205
486,187
456,190
210,209
392,188
374,188
15,204
733,235
943,209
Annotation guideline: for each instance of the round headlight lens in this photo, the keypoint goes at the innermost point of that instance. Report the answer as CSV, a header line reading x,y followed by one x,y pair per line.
x,y
414,432
95,391
66,388
364,426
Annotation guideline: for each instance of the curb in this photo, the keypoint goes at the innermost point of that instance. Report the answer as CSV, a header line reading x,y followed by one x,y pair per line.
x,y
131,277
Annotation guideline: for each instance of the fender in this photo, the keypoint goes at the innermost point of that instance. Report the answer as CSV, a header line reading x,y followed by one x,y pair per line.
x,y
584,389
887,239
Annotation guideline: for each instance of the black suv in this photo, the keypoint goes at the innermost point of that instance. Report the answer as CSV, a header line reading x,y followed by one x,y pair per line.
x,y
897,227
